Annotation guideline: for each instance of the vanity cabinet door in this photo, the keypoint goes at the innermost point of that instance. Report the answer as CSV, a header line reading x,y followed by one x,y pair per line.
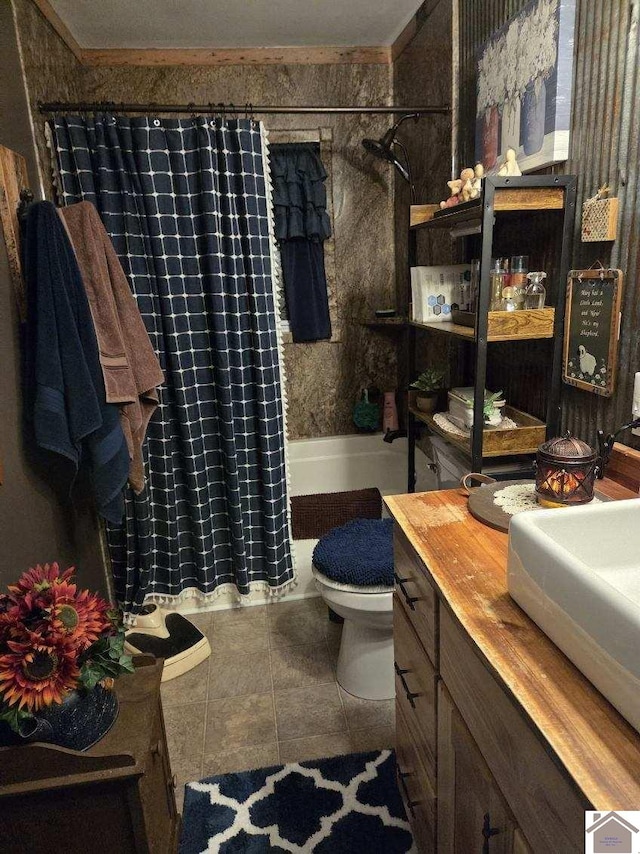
x,y
415,786
416,593
472,814
415,687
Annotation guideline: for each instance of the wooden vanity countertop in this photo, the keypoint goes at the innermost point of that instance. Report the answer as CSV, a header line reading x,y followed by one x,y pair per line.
x,y
468,564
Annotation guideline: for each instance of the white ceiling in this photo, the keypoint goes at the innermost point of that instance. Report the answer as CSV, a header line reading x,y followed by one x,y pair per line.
x,y
233,23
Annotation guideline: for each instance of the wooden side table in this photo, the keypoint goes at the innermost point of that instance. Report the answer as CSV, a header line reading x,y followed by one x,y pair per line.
x,y
115,798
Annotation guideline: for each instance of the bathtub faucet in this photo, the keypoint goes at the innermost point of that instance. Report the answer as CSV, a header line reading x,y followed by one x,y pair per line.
x,y
390,435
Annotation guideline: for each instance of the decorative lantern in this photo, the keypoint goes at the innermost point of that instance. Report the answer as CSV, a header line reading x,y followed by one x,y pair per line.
x,y
566,469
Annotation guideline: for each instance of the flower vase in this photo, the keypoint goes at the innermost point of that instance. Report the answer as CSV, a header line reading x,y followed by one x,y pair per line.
x,y
490,137
533,116
510,137
77,723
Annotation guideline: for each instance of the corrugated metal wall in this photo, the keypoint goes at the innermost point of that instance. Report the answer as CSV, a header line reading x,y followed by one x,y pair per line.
x,y
604,147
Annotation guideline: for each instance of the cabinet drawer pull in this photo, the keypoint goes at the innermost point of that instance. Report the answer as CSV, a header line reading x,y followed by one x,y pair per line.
x,y
408,599
411,696
402,776
156,750
487,833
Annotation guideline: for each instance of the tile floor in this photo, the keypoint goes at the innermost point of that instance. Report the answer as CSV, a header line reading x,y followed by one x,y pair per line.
x,y
267,695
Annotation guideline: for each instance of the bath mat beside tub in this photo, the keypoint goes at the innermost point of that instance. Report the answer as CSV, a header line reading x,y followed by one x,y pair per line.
x,y
345,804
312,516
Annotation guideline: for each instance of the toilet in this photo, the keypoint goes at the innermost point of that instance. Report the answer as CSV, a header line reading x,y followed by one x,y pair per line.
x,y
353,570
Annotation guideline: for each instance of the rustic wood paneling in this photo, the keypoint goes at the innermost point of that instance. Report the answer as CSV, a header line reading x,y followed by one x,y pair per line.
x,y
13,179
604,148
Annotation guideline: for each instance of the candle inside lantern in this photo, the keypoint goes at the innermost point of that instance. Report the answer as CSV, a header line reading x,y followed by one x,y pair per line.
x,y
565,472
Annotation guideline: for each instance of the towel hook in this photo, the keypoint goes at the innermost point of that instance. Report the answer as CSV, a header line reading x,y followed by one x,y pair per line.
x,y
26,198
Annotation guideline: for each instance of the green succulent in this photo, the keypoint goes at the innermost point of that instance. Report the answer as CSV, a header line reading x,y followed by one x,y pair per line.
x,y
430,380
489,401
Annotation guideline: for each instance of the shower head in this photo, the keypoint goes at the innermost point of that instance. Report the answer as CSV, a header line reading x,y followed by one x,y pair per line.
x,y
383,149
380,148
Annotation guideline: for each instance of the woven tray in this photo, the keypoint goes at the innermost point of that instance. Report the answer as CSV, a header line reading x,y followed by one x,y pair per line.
x,y
312,516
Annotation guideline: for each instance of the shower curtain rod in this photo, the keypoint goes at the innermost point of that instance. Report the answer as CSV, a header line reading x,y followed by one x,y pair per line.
x,y
232,109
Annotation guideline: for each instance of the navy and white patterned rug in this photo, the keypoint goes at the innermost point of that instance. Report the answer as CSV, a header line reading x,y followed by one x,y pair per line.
x,y
344,804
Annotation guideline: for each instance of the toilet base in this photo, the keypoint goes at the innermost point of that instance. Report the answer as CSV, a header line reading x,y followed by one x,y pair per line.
x,y
365,662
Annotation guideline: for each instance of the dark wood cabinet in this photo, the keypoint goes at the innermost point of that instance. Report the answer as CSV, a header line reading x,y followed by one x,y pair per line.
x,y
115,798
501,744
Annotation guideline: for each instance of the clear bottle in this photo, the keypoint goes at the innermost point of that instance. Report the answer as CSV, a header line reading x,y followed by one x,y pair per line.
x,y
535,293
497,282
518,278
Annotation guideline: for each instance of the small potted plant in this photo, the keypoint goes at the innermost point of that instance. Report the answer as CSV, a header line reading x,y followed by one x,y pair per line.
x,y
427,387
60,650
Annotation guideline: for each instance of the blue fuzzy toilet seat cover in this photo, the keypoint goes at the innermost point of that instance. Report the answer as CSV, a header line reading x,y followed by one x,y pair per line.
x,y
359,553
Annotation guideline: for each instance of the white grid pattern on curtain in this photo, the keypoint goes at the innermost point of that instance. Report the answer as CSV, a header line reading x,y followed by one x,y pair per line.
x,y
185,204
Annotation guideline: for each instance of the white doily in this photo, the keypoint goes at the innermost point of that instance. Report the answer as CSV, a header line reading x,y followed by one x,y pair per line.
x,y
519,497
443,423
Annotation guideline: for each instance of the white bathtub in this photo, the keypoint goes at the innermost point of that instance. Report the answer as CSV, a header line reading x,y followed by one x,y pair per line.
x,y
341,463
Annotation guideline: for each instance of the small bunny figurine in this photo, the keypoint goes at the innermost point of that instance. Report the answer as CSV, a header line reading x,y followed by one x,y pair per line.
x,y
454,187
466,193
510,165
476,184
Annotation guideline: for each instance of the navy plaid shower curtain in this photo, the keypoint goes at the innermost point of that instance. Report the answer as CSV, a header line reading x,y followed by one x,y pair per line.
x,y
187,205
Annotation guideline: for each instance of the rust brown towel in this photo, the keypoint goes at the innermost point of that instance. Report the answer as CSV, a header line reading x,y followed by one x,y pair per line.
x,y
130,366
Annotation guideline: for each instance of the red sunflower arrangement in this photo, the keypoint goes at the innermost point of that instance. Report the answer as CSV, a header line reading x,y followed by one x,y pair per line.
x,y
54,639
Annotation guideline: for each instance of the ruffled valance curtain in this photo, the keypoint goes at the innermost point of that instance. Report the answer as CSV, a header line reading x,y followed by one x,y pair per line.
x,y
301,226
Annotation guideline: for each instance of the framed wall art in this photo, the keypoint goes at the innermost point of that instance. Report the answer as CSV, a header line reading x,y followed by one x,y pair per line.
x,y
524,87
592,329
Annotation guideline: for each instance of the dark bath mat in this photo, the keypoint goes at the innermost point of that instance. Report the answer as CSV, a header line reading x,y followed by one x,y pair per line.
x,y
343,805
312,516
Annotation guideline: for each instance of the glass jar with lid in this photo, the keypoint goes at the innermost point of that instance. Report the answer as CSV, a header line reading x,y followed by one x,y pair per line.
x,y
518,278
497,282
535,294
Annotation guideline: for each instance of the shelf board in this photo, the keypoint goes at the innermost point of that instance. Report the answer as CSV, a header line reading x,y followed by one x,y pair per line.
x,y
526,325
446,327
452,217
520,194
385,323
525,439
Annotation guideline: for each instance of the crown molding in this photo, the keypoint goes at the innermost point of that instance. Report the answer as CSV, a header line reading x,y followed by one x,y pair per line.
x,y
330,55
311,55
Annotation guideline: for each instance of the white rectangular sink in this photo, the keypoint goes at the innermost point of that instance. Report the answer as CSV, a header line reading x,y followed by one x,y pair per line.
x,y
576,572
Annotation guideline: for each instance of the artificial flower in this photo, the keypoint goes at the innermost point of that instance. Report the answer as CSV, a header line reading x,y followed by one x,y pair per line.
x,y
54,639
37,673
81,617
39,578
